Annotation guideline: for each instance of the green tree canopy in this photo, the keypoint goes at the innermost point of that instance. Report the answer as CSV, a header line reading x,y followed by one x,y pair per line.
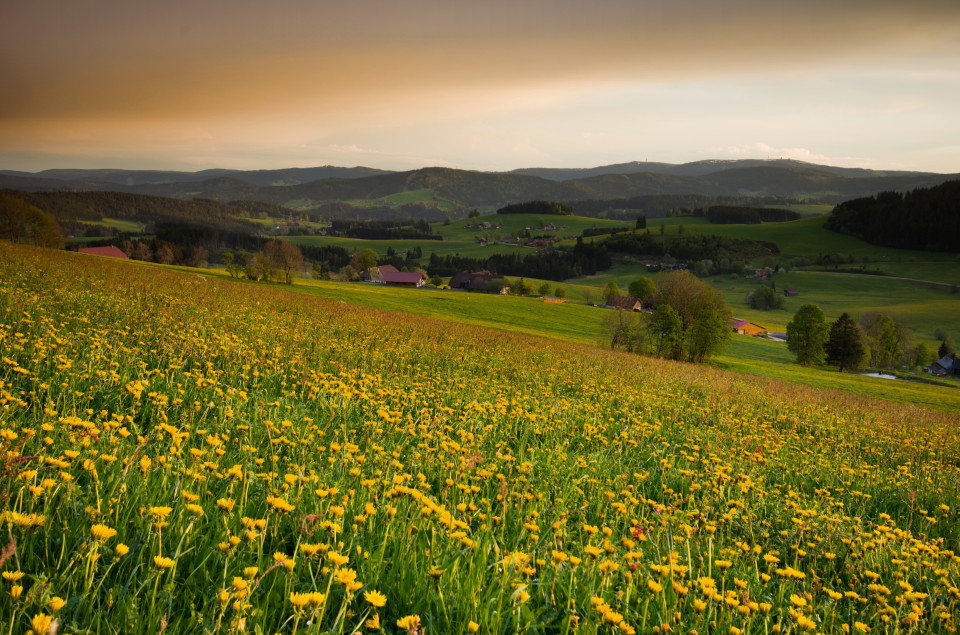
x,y
807,334
845,346
642,288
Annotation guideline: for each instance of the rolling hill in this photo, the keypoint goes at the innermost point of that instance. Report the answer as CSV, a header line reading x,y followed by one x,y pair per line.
x,y
463,189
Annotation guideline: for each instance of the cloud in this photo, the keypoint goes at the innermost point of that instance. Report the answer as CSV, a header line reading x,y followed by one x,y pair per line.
x,y
760,150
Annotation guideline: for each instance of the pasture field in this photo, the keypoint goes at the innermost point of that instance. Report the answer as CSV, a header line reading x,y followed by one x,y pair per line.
x,y
513,223
190,455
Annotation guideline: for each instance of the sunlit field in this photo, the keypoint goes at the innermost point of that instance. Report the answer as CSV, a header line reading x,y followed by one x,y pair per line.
x,y
184,454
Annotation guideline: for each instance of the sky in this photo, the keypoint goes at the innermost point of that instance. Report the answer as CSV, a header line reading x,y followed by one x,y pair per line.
x,y
492,85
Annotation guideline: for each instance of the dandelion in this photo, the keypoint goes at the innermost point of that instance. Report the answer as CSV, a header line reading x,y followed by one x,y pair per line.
x,y
41,623
409,623
102,533
121,549
12,576
375,598
163,563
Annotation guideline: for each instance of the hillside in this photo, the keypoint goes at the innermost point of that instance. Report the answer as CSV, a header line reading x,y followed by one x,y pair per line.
x,y
462,189
233,454
927,219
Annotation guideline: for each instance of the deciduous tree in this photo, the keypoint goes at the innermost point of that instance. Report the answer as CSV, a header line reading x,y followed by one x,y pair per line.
x,y
807,334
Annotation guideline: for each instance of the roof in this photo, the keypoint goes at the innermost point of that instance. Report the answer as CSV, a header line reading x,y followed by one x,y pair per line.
x,y
111,251
622,302
387,269
402,277
738,324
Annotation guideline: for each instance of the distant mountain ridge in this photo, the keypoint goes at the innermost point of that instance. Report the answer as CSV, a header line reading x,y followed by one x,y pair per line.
x,y
307,188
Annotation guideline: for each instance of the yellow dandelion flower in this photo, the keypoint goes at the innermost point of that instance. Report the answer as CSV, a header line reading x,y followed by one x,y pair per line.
x,y
41,623
121,549
12,576
375,598
56,603
102,533
163,563
409,622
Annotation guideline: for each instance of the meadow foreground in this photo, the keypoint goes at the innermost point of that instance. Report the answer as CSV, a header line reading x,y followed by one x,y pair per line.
x,y
198,455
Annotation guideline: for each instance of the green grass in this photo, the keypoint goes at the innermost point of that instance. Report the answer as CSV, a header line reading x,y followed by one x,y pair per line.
x,y
765,358
120,224
577,322
513,223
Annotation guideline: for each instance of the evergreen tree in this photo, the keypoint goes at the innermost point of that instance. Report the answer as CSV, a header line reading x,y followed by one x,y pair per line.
x,y
845,346
807,334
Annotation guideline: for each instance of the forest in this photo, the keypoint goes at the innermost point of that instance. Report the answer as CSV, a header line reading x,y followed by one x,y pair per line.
x,y
583,259
924,219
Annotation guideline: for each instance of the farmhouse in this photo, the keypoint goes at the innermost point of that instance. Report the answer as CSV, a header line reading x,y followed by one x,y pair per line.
x,y
404,278
476,281
375,274
743,327
624,303
111,251
946,365
790,292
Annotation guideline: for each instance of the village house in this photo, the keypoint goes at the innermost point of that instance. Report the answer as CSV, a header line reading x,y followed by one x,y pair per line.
x,y
624,303
743,327
110,252
477,281
946,365
375,274
790,292
404,278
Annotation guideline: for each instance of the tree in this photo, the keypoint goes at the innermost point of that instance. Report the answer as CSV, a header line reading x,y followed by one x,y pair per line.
x,y
946,348
667,330
436,280
545,289
764,298
807,334
521,287
363,259
285,258
610,290
641,222
845,346
642,288
703,316
560,292
887,340
197,257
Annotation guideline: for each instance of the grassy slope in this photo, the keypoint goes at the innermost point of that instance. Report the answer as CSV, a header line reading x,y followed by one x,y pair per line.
x,y
580,323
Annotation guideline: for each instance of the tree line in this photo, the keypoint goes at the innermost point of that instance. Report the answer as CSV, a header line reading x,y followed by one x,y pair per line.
x,y
743,215
383,230
924,219
537,207
878,341
583,259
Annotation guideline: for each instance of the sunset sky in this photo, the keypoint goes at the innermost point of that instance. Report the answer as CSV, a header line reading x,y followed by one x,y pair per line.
x,y
491,85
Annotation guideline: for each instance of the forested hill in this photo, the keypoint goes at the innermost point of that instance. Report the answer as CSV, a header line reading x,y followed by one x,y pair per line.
x,y
925,219
91,206
457,191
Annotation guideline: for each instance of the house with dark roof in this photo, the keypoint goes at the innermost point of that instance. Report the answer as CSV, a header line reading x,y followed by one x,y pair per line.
x,y
946,365
110,252
375,274
624,303
790,292
404,278
476,281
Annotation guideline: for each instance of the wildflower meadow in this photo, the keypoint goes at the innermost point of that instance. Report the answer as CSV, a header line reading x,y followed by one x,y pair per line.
x,y
189,455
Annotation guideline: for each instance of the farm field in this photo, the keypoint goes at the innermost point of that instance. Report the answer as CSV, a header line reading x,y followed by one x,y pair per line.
x,y
191,454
